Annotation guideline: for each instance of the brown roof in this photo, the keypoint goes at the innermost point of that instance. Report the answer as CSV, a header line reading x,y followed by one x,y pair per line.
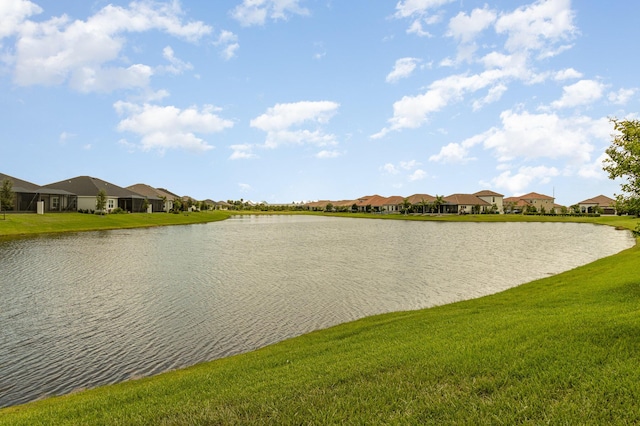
x,y
393,200
534,196
600,200
487,193
145,190
418,198
465,199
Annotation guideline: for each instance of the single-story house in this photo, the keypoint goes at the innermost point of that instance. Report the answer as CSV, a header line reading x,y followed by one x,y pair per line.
x,y
158,199
86,189
27,195
465,204
603,203
421,202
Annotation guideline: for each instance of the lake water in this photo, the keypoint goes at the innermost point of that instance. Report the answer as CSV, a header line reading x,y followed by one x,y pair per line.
x,y
87,309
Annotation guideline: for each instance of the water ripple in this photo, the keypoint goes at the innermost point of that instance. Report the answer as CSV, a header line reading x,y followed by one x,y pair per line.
x,y
83,310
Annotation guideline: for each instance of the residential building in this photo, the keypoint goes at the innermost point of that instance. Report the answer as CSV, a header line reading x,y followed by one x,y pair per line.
x,y
27,195
600,203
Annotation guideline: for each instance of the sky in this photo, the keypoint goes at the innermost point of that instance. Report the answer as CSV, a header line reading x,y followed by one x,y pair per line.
x,y
299,100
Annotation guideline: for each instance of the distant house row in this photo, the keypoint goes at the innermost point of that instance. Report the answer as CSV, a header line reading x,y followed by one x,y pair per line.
x,y
79,194
480,202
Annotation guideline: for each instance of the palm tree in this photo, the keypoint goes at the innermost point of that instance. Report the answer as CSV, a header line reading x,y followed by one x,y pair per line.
x,y
439,201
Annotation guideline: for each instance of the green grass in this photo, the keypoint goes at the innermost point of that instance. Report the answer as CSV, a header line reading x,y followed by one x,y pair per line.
x,y
561,350
30,224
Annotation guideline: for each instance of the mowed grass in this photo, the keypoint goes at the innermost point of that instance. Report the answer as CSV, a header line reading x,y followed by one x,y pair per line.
x,y
30,224
561,350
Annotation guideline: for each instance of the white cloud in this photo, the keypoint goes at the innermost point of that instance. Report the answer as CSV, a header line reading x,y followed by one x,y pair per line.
x,y
452,153
409,165
325,154
531,136
622,96
409,8
594,170
242,152
65,136
519,182
176,66
567,74
390,169
168,127
583,92
402,69
494,95
86,53
539,26
228,42
283,123
256,12
417,175
465,27
13,14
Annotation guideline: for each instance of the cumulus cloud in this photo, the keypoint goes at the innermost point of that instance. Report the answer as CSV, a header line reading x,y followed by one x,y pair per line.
x,y
539,26
168,127
256,12
532,136
86,53
403,68
242,152
567,74
326,154
228,42
176,66
417,175
622,96
584,92
288,124
389,168
13,14
465,27
518,182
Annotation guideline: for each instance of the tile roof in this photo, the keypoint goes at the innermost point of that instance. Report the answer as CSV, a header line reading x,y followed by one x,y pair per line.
x,y
418,198
487,193
535,196
465,200
600,200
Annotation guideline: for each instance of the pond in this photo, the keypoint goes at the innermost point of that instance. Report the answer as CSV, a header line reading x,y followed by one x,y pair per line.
x,y
88,309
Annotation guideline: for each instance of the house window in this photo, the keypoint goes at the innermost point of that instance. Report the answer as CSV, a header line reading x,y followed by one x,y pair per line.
x,y
110,204
55,203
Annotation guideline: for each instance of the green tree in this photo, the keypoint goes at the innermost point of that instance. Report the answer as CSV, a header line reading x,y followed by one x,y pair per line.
x,y
328,207
439,201
624,156
101,201
6,195
405,205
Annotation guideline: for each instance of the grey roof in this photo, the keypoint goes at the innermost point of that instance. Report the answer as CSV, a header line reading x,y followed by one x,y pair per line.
x,y
25,187
89,186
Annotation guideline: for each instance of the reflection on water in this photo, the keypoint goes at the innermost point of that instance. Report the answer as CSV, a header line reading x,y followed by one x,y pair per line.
x,y
88,309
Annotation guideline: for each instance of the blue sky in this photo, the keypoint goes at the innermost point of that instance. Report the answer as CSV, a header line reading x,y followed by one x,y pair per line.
x,y
290,100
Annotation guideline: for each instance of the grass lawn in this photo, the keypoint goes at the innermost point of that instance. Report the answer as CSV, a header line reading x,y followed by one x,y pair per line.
x,y
29,224
560,350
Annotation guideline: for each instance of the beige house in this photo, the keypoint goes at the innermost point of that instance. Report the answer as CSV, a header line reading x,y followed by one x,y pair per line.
x,y
603,203
465,204
521,203
492,198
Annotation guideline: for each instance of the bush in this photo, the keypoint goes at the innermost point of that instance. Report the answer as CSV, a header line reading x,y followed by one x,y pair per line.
x,y
117,210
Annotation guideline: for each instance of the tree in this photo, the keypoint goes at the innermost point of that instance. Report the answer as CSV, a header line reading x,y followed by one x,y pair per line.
x,y
101,201
6,195
405,205
328,207
624,159
438,202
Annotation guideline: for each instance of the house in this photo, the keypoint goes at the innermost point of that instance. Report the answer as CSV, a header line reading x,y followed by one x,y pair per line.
x,y
465,204
532,201
158,199
86,189
492,198
221,205
392,204
27,195
421,202
600,203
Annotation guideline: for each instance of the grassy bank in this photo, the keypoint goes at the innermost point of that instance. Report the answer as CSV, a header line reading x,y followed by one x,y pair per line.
x,y
561,350
30,224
